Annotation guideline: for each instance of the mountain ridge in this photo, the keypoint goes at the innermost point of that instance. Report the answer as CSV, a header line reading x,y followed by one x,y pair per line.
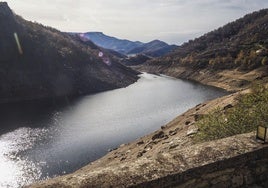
x,y
246,35
153,48
109,42
42,62
144,162
221,57
160,48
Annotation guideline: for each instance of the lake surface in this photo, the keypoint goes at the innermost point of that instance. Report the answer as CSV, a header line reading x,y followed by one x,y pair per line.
x,y
41,139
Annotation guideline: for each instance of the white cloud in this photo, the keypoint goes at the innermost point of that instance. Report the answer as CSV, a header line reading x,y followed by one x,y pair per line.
x,y
173,21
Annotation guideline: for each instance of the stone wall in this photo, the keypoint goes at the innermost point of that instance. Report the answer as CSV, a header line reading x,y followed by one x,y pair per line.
x,y
237,161
246,170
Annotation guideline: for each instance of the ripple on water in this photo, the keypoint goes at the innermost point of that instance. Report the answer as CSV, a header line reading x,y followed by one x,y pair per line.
x,y
80,131
16,168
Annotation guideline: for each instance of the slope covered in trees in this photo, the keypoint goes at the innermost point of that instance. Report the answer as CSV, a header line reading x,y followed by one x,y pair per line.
x,y
240,44
38,61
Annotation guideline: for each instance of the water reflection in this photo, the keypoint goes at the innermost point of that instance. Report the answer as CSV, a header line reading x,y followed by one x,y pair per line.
x,y
33,114
47,138
16,169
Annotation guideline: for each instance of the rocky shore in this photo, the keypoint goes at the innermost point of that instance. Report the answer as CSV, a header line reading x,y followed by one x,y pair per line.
x,y
229,79
231,57
171,152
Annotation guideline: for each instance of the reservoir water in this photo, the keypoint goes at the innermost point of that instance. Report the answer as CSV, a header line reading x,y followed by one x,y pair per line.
x,y
41,139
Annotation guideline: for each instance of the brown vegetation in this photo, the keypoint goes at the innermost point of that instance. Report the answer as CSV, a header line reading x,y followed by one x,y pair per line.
x,y
51,63
240,44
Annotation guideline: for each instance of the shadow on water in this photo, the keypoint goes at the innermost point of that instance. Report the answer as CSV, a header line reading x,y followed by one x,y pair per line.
x,y
32,114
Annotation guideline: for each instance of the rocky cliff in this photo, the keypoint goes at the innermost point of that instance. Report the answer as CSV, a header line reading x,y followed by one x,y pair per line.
x,y
38,61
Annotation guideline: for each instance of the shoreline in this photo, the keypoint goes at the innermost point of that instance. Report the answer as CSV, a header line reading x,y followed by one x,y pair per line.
x,y
231,80
136,163
151,158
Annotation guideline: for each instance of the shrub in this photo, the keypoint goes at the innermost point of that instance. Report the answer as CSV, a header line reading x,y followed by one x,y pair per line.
x,y
251,110
264,61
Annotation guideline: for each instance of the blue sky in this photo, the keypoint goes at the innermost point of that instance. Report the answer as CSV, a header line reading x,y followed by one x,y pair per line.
x,y
173,21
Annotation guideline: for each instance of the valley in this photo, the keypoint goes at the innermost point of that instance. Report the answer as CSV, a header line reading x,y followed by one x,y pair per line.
x,y
84,109
171,156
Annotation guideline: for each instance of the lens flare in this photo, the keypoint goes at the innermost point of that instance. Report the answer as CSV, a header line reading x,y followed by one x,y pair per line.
x,y
18,43
105,59
100,54
83,37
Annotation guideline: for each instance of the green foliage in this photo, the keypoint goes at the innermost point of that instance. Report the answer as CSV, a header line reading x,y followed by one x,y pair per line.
x,y
250,111
264,61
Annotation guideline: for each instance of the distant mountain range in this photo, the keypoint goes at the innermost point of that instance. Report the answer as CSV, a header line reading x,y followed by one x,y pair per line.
x,y
42,62
154,48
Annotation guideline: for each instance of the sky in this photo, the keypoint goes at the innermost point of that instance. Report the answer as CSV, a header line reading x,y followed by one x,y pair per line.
x,y
173,21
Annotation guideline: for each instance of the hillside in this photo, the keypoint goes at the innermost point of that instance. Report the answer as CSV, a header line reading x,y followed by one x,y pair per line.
x,y
154,48
108,42
240,46
38,61
135,60
173,156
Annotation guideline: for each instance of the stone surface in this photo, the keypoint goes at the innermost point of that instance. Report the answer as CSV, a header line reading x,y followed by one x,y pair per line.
x,y
192,130
176,159
188,165
158,135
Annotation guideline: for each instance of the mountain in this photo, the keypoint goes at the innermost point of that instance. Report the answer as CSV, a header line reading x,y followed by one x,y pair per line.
x,y
154,48
41,62
108,42
230,57
135,60
240,44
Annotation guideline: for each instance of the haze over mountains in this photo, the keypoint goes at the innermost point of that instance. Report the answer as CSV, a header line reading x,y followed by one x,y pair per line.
x,y
41,62
154,48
